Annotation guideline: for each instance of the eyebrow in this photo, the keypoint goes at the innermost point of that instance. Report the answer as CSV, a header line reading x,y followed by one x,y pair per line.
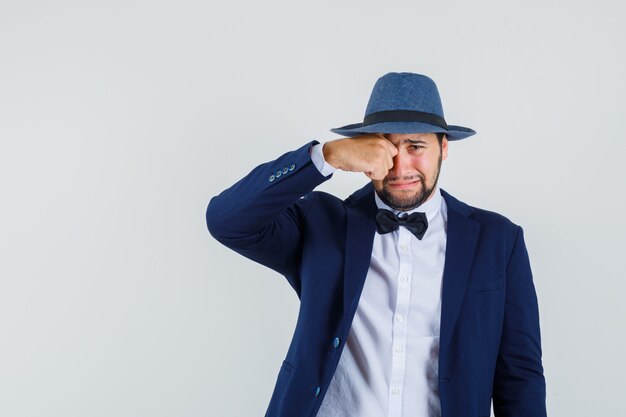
x,y
409,140
415,141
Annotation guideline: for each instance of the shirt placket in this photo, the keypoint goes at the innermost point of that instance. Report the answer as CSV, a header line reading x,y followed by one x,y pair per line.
x,y
399,331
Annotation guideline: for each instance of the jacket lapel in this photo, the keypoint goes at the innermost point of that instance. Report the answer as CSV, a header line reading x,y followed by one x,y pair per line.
x,y
360,214
462,237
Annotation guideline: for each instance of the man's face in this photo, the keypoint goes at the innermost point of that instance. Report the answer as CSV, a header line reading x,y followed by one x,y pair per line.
x,y
415,170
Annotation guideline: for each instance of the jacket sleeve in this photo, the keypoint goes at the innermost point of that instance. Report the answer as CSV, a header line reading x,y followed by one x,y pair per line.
x,y
519,385
260,216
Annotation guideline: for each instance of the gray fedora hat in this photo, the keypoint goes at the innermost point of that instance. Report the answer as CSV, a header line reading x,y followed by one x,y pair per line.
x,y
403,102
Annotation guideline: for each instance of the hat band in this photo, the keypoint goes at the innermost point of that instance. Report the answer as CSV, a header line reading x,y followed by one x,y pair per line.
x,y
404,116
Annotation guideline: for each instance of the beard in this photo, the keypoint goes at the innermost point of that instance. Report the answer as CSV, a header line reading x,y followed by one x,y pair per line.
x,y
409,202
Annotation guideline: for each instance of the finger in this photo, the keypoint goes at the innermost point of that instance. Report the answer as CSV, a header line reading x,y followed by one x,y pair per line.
x,y
388,160
390,151
379,176
380,173
392,148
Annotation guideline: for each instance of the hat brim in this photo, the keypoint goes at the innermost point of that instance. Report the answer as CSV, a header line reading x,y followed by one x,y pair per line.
x,y
452,133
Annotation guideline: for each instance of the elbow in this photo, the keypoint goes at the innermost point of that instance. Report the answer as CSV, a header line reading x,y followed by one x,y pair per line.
x,y
224,221
214,220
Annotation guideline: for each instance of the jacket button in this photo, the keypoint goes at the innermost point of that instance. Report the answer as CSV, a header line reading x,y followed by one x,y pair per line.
x,y
272,178
336,341
317,391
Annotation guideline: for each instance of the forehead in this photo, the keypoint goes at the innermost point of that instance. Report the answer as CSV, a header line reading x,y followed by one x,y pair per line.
x,y
397,138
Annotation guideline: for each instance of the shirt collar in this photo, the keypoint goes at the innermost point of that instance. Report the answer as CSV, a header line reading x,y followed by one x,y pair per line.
x,y
430,207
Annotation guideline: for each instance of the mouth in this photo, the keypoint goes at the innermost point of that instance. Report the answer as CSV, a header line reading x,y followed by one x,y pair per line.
x,y
399,185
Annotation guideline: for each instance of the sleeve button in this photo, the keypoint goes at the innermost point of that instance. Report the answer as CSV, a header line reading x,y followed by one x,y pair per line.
x,y
272,178
292,167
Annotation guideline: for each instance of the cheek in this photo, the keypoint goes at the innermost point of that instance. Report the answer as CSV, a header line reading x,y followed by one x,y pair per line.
x,y
419,163
424,163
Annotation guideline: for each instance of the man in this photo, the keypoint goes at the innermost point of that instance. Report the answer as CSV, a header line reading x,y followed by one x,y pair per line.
x,y
412,303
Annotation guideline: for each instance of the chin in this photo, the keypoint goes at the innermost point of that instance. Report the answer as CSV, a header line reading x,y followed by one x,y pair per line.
x,y
405,199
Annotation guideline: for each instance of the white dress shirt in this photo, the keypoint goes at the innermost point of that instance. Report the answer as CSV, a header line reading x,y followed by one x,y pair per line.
x,y
389,365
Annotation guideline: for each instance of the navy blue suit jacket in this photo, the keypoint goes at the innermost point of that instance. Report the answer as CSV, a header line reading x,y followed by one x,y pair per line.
x,y
489,342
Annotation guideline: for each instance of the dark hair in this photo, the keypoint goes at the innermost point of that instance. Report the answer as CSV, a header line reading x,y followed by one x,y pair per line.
x,y
440,136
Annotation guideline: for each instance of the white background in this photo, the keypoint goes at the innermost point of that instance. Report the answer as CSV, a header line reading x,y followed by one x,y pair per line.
x,y
120,119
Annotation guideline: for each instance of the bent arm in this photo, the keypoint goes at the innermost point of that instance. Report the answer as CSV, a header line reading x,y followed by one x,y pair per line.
x,y
260,215
519,384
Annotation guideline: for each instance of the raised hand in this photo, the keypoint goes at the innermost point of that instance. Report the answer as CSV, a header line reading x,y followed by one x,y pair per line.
x,y
371,154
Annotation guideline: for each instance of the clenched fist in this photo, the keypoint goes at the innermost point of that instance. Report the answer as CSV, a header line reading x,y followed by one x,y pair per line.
x,y
370,154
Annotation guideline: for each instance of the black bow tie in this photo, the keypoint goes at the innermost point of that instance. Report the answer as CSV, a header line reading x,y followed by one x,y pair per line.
x,y
387,221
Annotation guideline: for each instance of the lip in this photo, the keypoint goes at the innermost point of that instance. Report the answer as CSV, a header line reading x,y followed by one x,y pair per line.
x,y
402,185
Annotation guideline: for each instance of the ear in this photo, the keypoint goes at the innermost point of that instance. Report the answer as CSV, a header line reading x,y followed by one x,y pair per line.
x,y
444,147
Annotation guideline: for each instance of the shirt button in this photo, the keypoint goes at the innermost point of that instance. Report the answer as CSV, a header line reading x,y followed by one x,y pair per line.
x,y
336,341
395,391
404,278
404,247
399,318
399,349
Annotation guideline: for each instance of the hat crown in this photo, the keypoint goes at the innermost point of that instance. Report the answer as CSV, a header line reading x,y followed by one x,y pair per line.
x,y
404,103
405,91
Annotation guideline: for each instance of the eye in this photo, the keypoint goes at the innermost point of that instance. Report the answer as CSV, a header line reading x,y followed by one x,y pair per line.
x,y
415,147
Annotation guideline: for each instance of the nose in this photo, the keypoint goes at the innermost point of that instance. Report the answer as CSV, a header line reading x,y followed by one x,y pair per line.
x,y
401,166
